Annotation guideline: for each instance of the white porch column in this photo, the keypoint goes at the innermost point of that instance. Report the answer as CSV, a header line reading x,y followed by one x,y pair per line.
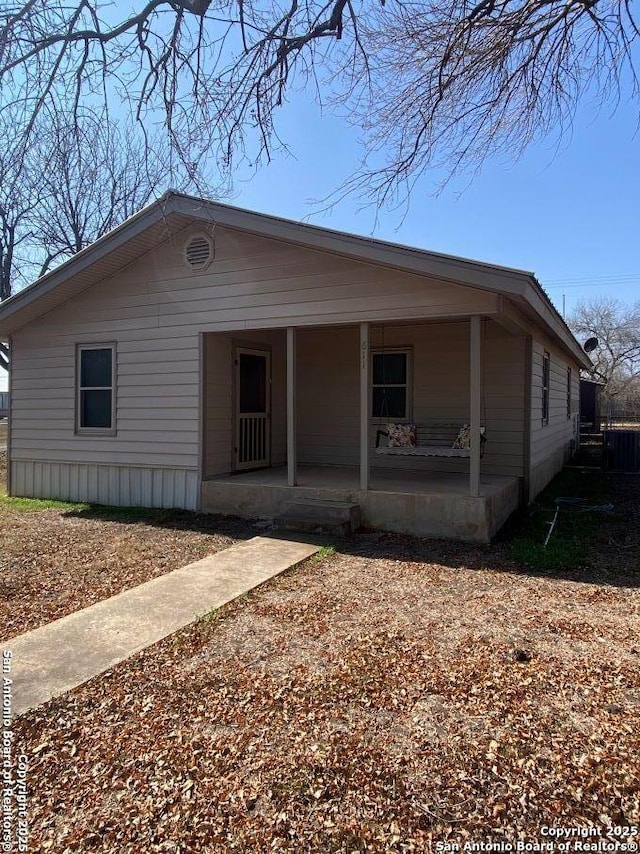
x,y
292,462
364,405
475,396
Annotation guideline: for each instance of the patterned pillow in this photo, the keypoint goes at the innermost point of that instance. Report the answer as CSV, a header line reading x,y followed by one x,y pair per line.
x,y
463,439
401,435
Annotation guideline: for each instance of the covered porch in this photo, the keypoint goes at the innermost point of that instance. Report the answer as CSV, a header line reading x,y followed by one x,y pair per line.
x,y
294,415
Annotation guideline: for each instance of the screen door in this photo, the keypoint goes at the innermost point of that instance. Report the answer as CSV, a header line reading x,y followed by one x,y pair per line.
x,y
253,382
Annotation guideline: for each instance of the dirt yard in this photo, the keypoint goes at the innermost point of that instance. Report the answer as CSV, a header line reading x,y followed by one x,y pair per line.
x,y
53,562
392,695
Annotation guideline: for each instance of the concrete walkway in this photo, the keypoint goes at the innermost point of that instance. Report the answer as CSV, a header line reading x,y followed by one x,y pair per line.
x,y
53,659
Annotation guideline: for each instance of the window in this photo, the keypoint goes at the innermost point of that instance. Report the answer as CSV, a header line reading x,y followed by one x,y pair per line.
x,y
546,364
390,381
96,388
568,392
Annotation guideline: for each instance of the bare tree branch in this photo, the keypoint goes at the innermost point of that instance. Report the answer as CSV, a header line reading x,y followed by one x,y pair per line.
x,y
431,84
617,328
79,177
98,177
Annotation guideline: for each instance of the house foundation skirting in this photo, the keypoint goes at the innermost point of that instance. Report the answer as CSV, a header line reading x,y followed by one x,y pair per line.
x,y
543,472
121,486
423,514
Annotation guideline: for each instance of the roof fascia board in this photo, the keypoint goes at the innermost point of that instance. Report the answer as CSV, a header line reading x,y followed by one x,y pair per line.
x,y
557,326
445,267
512,318
505,281
476,274
78,263
87,287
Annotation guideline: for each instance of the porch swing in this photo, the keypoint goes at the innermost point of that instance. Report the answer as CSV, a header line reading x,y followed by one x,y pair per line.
x,y
433,440
447,439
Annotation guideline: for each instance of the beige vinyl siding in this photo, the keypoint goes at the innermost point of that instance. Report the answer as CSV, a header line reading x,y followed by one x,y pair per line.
x,y
218,404
328,393
155,310
256,282
279,398
551,443
504,401
156,405
328,398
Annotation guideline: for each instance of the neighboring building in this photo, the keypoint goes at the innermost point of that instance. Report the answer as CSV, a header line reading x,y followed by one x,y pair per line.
x,y
4,404
207,357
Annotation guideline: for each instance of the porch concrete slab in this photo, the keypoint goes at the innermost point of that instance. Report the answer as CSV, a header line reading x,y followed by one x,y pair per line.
x,y
405,481
419,503
55,658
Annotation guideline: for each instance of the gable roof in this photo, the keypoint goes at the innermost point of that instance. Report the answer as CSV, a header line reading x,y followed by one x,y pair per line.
x,y
174,211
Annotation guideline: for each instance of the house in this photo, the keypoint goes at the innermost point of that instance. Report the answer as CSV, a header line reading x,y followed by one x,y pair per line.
x,y
206,357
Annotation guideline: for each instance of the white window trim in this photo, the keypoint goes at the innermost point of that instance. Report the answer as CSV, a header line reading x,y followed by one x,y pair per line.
x,y
569,392
546,389
408,352
96,431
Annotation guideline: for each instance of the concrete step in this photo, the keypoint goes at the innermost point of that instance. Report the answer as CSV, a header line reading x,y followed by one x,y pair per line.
x,y
319,516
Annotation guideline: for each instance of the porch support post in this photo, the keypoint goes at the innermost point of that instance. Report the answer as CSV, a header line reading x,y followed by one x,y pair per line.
x,y
364,406
475,396
292,462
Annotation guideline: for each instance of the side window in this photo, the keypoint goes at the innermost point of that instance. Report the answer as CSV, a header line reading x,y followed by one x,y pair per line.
x,y
568,392
390,396
546,365
95,392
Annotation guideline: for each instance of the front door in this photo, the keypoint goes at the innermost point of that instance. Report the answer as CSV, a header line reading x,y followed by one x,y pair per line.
x,y
253,385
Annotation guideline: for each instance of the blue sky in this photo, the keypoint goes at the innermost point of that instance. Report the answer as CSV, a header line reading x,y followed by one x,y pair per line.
x,y
569,214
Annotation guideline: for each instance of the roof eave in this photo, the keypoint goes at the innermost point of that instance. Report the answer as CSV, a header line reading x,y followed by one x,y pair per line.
x,y
545,310
110,242
502,280
424,262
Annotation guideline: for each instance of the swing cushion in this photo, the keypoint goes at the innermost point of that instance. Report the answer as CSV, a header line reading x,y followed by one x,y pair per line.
x,y
463,439
401,435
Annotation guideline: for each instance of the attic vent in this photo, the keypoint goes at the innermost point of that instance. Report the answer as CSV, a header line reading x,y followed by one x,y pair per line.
x,y
198,252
